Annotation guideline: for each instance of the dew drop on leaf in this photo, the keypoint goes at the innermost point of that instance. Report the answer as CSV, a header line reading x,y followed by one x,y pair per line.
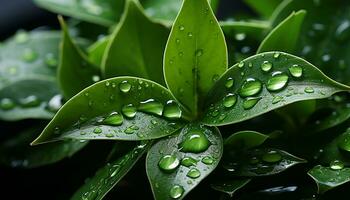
x,y
151,106
125,86
336,165
229,100
97,130
176,191
241,64
114,119
193,173
129,111
266,66
50,60
188,162
168,163
55,103
172,110
229,83
195,141
272,156
277,82
296,71
7,104
29,55
30,101
309,90
250,102
250,87
208,160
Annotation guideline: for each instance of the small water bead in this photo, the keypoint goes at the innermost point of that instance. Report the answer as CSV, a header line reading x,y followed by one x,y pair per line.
x,y
125,86
97,130
229,83
254,160
230,100
272,156
176,191
309,90
7,104
277,82
181,53
151,106
336,165
266,66
96,78
241,64
195,142
172,110
208,160
296,71
188,162
50,60
30,101
181,28
250,87
326,58
129,110
193,173
168,163
276,55
114,119
29,55
21,37
250,102
277,99
154,122
199,52
55,103
109,135
240,36
190,34
343,31
129,130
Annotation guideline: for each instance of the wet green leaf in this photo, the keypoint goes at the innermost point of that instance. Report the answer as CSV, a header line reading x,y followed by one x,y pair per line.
x,y
108,176
123,108
196,54
103,12
245,140
97,50
231,186
327,178
263,83
277,40
75,72
28,64
264,8
175,166
136,47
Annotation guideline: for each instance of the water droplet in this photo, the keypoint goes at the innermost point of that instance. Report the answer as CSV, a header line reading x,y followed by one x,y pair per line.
x,y
97,130
215,77
309,90
151,106
250,102
176,191
177,40
195,141
336,165
95,78
276,55
181,53
55,103
193,173
188,162
190,34
272,156
154,122
181,28
129,130
50,60
172,110
343,31
109,135
114,119
30,101
240,36
129,111
208,160
277,99
266,66
168,163
199,52
229,100
250,87
7,104
254,160
229,83
125,86
241,64
29,55
296,71
277,82
21,37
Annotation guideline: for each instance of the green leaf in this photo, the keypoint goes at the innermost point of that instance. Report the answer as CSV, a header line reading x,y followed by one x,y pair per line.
x,y
196,54
260,162
103,12
323,34
245,140
107,111
250,88
27,75
231,186
136,47
75,72
97,50
327,178
16,152
277,40
175,165
108,176
263,8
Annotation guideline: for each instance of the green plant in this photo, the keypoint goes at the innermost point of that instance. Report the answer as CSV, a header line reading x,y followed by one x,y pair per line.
x,y
171,93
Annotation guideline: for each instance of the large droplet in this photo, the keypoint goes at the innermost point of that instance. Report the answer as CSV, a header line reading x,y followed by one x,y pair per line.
x,y
208,160
266,66
97,130
55,103
30,101
250,87
125,86
7,104
229,100
114,119
176,191
336,165
193,173
168,163
277,82
188,162
309,89
129,111
29,55
172,110
229,83
195,141
151,106
272,156
296,71
250,102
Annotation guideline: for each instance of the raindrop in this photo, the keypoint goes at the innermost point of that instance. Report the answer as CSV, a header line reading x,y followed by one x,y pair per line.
x,y
181,28
229,83
229,100
250,102
195,142
343,31
344,142
241,64
30,101
240,36
109,135
199,52
97,130
176,191
336,165
114,119
250,87
129,130
95,78
193,173
129,111
309,90
188,162
208,160
172,110
272,156
125,86
55,103
50,60
29,55
277,99
7,104
276,55
277,82
266,66
168,163
296,71
190,34
151,106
